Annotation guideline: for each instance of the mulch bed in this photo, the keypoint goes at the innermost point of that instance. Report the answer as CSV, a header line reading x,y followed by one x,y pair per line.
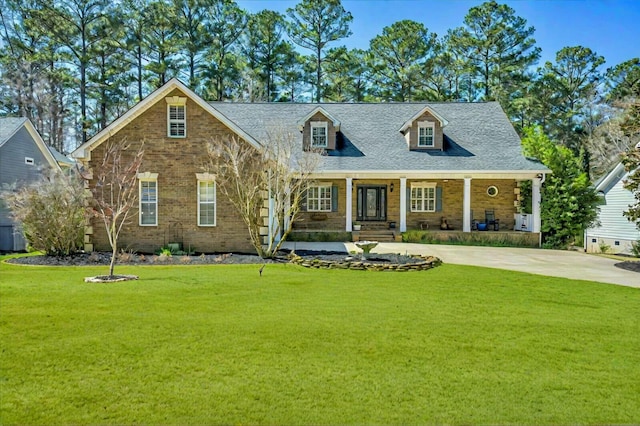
x,y
103,258
629,266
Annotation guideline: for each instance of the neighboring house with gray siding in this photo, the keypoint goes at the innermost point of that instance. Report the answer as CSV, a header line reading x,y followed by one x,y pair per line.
x,y
23,157
614,231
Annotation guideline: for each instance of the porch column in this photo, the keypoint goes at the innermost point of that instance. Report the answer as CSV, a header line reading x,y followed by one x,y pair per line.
x,y
403,204
349,204
535,203
466,206
287,208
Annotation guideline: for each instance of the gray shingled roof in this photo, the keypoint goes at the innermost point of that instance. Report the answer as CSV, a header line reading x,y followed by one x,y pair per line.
x,y
8,126
478,136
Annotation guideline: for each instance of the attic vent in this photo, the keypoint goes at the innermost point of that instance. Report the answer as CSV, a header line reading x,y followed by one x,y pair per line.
x,y
28,160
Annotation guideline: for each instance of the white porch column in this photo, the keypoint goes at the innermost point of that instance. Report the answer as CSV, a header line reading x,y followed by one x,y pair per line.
x,y
403,204
349,204
535,203
466,206
287,208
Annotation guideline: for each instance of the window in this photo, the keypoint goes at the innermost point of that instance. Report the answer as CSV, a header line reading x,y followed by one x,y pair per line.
x,y
148,199
177,121
425,134
30,161
319,198
423,197
318,134
206,202
176,117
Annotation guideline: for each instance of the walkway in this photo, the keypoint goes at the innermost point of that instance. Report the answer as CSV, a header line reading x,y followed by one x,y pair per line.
x,y
554,263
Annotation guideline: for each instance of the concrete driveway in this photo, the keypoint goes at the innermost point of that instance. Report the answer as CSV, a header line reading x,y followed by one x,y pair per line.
x,y
554,263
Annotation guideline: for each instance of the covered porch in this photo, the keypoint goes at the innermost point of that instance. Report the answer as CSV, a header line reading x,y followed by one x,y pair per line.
x,y
436,203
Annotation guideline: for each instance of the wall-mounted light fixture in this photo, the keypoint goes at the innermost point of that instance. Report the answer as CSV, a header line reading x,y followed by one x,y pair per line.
x,y
391,187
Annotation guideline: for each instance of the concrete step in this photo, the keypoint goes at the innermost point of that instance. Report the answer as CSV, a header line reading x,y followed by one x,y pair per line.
x,y
375,235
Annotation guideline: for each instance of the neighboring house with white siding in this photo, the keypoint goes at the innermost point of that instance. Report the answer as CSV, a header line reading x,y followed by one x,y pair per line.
x,y
23,157
614,231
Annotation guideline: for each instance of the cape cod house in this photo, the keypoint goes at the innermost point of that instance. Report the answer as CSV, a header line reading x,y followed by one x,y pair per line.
x,y
23,158
388,166
614,232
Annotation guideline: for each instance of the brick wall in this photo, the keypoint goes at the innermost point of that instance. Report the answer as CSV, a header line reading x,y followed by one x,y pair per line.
x,y
176,160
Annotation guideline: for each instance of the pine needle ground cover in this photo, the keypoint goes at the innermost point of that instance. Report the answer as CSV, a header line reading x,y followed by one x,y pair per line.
x,y
220,344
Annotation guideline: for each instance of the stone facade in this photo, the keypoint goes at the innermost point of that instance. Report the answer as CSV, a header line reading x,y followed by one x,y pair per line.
x,y
176,161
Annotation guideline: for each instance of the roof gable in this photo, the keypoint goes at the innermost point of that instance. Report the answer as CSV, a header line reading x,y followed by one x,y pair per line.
x,y
84,151
319,109
10,126
443,122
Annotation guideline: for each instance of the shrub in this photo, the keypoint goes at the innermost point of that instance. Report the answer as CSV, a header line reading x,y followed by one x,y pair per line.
x,y
52,213
635,248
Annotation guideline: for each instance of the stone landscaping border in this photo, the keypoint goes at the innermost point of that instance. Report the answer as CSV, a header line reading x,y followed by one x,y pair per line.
x,y
422,263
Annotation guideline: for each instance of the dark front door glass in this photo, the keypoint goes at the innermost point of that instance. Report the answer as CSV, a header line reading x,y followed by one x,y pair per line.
x,y
372,203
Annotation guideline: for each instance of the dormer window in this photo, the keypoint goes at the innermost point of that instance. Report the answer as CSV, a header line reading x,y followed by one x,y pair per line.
x,y
319,134
426,134
176,117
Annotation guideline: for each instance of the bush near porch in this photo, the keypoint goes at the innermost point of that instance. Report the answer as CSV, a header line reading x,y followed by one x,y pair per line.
x,y
223,345
475,238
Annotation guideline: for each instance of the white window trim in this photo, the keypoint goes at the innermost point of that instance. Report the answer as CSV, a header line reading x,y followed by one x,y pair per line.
x,y
427,125
175,101
423,185
29,161
147,177
208,178
319,125
320,209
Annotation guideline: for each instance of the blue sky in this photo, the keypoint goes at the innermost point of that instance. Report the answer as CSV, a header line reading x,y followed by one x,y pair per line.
x,y
609,27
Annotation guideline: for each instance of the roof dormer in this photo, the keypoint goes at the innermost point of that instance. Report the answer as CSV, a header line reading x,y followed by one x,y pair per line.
x,y
424,131
319,129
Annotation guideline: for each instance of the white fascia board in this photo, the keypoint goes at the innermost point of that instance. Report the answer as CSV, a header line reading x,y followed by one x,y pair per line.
x,y
41,145
435,174
319,109
443,121
611,176
84,150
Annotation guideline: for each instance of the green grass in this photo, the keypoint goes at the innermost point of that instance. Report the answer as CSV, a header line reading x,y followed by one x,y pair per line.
x,y
220,344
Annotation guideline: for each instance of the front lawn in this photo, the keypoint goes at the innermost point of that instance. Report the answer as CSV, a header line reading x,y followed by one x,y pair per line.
x,y
222,345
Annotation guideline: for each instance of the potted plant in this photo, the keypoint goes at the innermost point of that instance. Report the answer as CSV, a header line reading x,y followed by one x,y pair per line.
x,y
356,226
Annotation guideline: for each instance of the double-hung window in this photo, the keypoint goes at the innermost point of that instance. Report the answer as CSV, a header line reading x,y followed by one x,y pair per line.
x,y
206,200
423,197
319,198
176,117
148,198
319,134
426,134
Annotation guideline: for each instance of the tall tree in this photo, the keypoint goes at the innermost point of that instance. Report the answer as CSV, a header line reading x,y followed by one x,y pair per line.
x,y
347,75
400,58
34,73
499,46
314,24
265,49
573,81
193,36
108,75
72,24
161,42
132,12
225,23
